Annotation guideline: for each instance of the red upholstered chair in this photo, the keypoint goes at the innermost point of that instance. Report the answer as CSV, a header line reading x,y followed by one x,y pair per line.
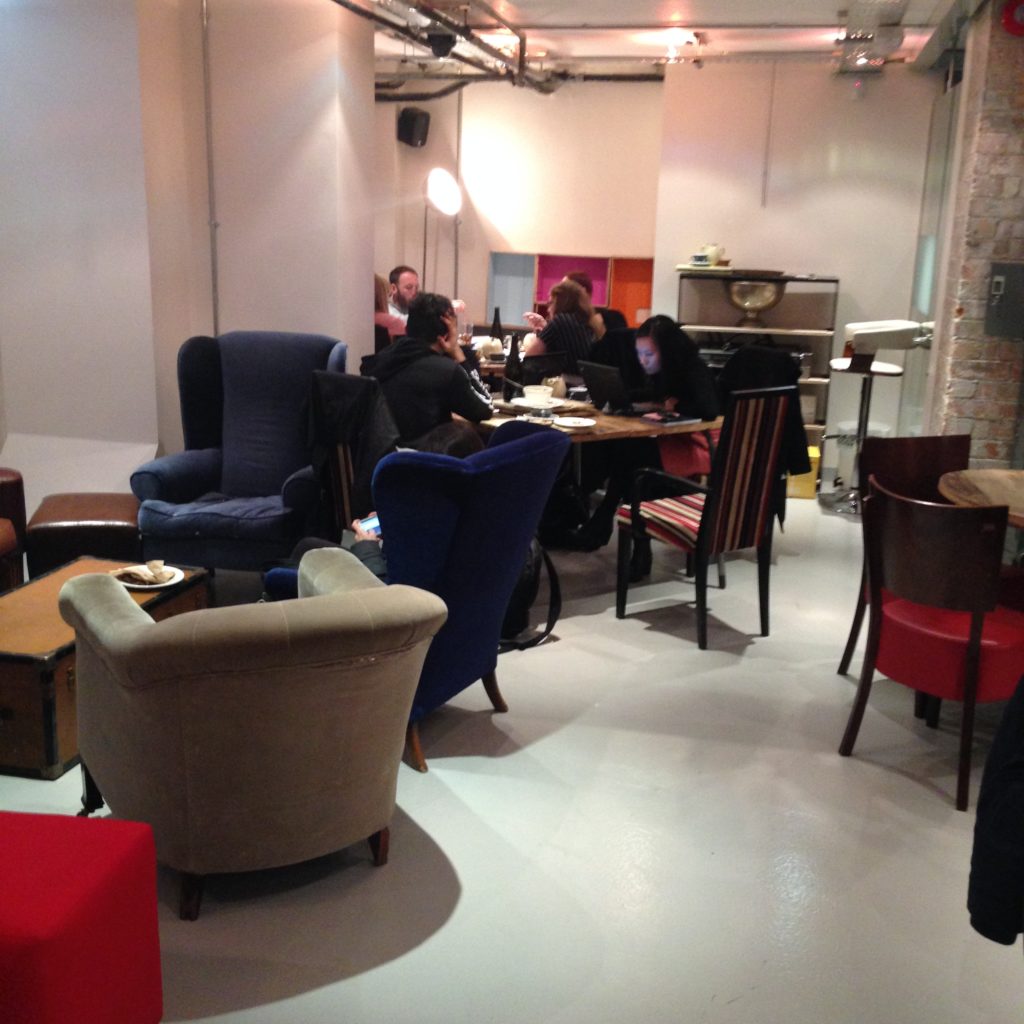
x,y
734,512
12,528
934,625
78,921
911,467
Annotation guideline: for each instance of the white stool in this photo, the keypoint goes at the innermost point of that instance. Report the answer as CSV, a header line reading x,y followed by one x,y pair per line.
x,y
863,340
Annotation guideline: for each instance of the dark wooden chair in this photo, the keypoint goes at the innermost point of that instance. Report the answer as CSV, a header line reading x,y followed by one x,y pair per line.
x,y
934,624
734,512
911,467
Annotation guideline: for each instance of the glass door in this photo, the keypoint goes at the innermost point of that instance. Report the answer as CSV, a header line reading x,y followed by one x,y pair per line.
x,y
931,245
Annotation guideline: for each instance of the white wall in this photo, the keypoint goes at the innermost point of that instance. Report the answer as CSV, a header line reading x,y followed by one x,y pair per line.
x,y
75,327
104,255
292,88
574,172
792,168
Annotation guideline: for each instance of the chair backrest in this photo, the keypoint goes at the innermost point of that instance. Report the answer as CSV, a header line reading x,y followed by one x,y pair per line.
x,y
461,528
353,429
944,556
254,735
740,504
911,466
264,379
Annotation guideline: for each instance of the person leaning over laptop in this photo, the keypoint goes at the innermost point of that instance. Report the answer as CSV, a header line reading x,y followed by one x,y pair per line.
x,y
677,380
426,376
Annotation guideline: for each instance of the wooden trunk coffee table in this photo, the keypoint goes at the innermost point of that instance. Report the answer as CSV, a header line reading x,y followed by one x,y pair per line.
x,y
38,715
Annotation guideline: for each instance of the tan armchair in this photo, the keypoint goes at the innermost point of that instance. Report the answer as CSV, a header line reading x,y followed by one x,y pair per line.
x,y
251,736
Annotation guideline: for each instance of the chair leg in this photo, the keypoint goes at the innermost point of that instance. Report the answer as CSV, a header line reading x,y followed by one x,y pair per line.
x,y
379,844
490,682
933,705
92,798
920,704
721,572
963,775
860,702
413,748
622,572
764,565
191,896
702,601
851,640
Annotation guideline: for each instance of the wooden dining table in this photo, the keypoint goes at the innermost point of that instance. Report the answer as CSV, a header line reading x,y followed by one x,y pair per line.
x,y
606,427
987,487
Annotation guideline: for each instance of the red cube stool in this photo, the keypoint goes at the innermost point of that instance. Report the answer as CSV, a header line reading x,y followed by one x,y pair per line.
x,y
65,526
78,921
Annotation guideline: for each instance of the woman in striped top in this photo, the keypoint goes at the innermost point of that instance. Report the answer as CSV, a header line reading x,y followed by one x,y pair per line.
x,y
569,329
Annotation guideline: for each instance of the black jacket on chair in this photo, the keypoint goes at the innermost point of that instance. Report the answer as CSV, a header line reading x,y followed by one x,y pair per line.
x,y
757,366
995,893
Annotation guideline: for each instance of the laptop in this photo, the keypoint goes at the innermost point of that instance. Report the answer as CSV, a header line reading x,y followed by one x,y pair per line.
x,y
608,390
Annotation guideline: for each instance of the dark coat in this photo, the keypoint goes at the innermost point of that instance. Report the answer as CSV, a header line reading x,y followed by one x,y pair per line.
x,y
423,388
995,891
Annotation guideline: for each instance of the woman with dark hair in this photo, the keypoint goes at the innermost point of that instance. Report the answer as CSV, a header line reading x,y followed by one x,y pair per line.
x,y
570,327
677,380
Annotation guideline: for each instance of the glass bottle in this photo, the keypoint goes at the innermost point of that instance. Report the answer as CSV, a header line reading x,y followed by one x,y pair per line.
x,y
513,371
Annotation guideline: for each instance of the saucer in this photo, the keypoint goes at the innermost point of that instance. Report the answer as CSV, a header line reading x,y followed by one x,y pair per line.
x,y
538,403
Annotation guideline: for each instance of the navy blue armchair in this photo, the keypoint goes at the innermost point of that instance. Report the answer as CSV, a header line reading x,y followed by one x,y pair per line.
x,y
460,528
243,491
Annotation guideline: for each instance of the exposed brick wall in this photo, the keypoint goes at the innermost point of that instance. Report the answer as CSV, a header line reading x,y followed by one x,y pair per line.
x,y
978,377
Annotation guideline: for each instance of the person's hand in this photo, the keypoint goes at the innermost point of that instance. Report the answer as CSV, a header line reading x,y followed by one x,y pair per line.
x,y
361,534
535,321
450,342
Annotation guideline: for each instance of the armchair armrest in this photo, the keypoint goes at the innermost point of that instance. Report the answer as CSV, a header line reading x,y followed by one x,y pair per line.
x,y
642,478
12,502
301,491
178,478
99,608
324,570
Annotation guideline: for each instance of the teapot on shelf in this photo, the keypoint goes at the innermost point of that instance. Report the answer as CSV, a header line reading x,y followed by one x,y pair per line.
x,y
713,251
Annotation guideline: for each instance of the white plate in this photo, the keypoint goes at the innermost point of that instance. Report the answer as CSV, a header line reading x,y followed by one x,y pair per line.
x,y
574,422
177,577
704,266
538,403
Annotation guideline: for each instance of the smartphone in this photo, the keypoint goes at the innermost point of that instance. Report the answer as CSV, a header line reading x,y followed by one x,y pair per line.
x,y
371,524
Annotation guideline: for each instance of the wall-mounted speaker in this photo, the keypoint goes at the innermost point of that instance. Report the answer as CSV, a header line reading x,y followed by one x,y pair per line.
x,y
413,125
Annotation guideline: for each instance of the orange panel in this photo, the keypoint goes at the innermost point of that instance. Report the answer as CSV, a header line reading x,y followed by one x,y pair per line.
x,y
631,288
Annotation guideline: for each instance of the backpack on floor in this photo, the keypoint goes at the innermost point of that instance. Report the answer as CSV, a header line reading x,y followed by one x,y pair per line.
x,y
517,615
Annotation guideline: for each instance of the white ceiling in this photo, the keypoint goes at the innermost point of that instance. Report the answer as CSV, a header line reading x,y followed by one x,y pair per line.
x,y
634,36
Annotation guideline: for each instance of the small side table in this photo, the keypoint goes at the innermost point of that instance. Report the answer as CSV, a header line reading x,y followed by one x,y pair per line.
x,y
38,710
868,368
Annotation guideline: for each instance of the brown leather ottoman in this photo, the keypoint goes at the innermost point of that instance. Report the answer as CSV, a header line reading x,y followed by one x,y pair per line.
x,y
66,526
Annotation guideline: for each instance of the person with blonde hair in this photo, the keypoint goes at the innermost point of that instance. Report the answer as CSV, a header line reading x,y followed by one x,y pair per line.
x,y
569,329
395,324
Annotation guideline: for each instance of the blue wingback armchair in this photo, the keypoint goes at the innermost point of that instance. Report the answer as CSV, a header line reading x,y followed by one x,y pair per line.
x,y
461,528
243,491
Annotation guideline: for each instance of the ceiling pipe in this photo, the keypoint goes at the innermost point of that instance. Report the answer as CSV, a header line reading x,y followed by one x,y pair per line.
x,y
423,97
517,32
517,69
407,33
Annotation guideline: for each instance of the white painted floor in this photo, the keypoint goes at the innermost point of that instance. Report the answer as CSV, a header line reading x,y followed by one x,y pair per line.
x,y
652,833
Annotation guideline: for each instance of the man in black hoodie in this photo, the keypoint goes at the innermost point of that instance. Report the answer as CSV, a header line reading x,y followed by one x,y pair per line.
x,y
422,374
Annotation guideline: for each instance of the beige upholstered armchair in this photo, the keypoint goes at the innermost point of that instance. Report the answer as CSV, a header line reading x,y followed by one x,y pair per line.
x,y
251,736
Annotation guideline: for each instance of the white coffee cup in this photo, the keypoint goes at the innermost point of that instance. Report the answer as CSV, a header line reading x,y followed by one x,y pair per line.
x,y
537,392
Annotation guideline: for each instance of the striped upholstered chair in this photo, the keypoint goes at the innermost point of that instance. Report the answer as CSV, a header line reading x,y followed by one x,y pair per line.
x,y
733,513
